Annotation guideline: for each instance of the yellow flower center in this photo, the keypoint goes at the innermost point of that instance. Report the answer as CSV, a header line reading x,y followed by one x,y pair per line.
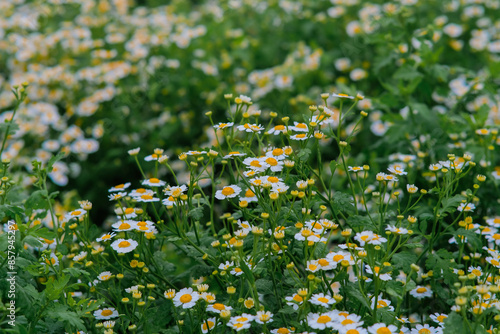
x,y
272,161
302,135
277,151
176,192
298,298
352,331
76,213
283,330
273,179
364,237
210,325
129,211
124,226
106,313
219,306
323,300
154,180
347,322
381,303
301,126
249,193
124,244
324,319
146,197
338,258
441,318
242,319
141,190
323,262
421,290
306,233
226,191
106,237
255,163
313,267
424,331
120,186
186,298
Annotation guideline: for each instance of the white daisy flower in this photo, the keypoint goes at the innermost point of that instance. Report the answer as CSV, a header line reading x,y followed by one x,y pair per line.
x,y
234,154
153,182
256,164
186,298
354,169
276,153
321,299
75,214
117,196
124,225
208,325
175,191
313,266
119,187
300,136
382,328
294,301
106,237
421,292
124,245
146,198
469,207
247,127
263,317
106,313
321,321
221,126
249,196
104,276
276,165
277,129
228,192
218,307
299,127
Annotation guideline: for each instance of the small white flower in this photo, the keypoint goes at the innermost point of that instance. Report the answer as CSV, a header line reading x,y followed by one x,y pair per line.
x,y
186,298
124,245
228,192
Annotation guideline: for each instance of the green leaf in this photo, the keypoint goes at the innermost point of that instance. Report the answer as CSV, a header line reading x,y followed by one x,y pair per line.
x,y
37,201
304,154
264,286
164,266
55,287
343,202
442,263
61,312
450,204
362,222
196,213
353,292
403,260
454,324
75,272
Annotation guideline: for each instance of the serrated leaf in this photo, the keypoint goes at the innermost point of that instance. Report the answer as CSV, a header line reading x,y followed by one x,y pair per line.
x,y
264,286
36,201
343,202
450,204
61,312
304,154
196,213
403,260
75,272
454,324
